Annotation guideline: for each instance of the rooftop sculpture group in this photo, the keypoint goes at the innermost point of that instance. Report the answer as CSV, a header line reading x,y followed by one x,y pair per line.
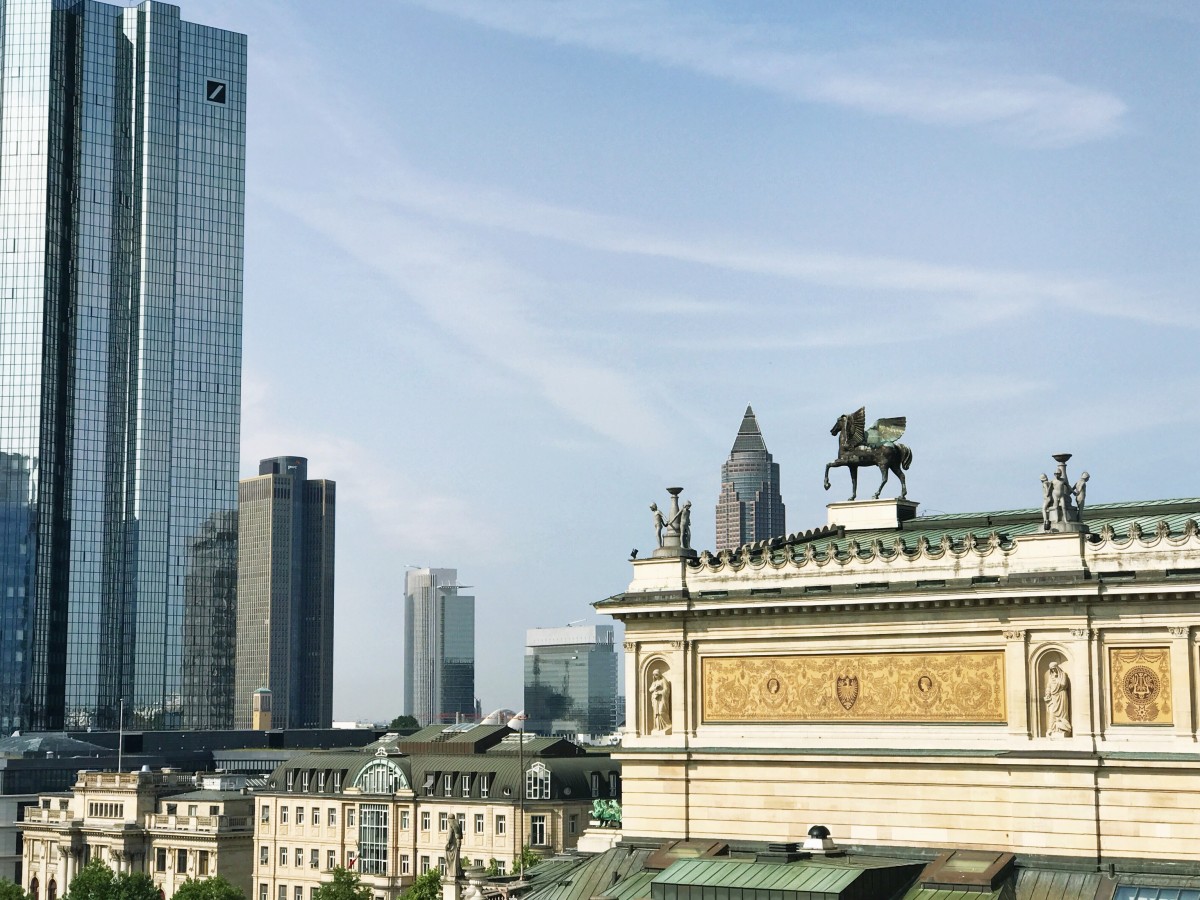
x,y
673,530
1062,504
874,446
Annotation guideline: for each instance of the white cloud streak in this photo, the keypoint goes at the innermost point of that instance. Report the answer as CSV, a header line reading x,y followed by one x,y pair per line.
x,y
924,82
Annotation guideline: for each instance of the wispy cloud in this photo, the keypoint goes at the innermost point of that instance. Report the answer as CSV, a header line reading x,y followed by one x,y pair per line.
x,y
925,82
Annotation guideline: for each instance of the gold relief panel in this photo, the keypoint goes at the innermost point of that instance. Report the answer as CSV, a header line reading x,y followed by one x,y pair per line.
x,y
877,687
1140,685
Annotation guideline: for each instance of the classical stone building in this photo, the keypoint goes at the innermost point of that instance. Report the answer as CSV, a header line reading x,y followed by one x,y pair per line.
x,y
172,826
385,811
969,681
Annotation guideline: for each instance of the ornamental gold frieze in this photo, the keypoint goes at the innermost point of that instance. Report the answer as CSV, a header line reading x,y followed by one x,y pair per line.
x,y
1140,685
965,686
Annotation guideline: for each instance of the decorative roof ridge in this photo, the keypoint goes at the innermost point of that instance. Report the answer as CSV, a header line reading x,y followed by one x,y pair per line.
x,y
1162,534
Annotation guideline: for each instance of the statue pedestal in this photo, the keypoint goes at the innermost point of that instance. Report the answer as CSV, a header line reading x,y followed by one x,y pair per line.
x,y
867,515
451,889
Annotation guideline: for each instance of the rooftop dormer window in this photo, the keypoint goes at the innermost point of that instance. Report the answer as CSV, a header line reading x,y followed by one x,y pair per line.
x,y
537,782
447,785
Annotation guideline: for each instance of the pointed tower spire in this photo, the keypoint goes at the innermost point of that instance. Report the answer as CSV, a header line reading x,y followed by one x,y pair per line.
x,y
749,508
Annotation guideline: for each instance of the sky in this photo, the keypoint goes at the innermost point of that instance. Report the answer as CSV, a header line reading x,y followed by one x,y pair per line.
x,y
513,268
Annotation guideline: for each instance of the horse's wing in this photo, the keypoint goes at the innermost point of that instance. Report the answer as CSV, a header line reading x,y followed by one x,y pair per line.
x,y
856,427
890,430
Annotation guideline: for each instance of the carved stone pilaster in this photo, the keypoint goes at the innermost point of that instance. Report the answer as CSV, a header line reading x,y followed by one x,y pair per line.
x,y
1017,634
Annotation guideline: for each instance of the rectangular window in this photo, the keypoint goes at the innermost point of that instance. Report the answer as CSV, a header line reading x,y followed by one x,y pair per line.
x,y
304,782
337,781
299,893
373,821
262,891
405,864
321,781
160,859
500,867
202,862
425,820
265,814
291,775
316,816
314,859
572,824
214,810
350,817
404,820
331,859
283,892
485,784
447,785
595,784
264,855
479,823
501,825
192,809
332,816
443,821
299,815
283,856
466,785
180,861
283,815
299,856
424,864
537,831
614,784
442,866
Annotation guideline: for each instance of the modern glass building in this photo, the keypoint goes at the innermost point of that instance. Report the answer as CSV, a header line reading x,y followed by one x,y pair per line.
x,y
750,507
121,233
571,680
285,594
439,647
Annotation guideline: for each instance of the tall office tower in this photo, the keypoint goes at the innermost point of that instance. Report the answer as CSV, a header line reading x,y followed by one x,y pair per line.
x,y
571,680
439,647
121,219
749,508
285,595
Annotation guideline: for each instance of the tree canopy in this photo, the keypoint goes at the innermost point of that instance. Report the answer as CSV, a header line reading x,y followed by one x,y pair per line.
x,y
404,723
216,888
346,885
425,887
11,891
96,881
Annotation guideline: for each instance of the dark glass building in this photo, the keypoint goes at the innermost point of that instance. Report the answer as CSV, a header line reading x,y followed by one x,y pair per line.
x,y
750,507
285,594
121,235
439,648
571,680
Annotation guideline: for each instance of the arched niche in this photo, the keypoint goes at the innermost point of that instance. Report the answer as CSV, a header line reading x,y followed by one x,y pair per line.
x,y
657,714
1054,697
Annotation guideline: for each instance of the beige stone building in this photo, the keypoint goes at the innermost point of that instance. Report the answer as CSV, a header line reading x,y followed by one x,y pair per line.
x,y
385,811
948,681
172,826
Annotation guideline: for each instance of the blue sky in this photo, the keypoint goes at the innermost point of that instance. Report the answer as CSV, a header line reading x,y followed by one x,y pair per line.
x,y
514,267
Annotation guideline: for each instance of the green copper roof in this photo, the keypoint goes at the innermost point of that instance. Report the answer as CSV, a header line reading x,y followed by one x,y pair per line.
x,y
749,438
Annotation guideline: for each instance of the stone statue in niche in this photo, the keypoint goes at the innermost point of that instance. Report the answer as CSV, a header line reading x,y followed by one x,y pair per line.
x,y
658,692
1057,697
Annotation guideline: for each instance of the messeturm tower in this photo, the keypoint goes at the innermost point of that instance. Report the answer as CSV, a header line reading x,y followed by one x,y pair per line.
x,y
750,507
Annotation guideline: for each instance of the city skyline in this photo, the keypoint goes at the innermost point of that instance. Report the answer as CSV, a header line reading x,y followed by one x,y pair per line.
x,y
571,680
536,259
439,647
122,196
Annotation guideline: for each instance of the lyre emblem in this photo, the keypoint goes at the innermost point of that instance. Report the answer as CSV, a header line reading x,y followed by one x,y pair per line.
x,y
847,690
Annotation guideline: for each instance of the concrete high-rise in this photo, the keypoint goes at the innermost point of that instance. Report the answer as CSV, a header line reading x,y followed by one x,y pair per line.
x,y
750,507
285,594
439,647
571,680
121,236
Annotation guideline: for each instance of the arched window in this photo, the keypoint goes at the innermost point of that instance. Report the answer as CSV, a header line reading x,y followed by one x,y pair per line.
x,y
537,782
381,776
51,890
33,888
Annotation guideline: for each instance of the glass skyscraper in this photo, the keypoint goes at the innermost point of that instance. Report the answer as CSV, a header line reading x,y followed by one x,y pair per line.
x,y
439,647
285,559
750,507
122,174
571,680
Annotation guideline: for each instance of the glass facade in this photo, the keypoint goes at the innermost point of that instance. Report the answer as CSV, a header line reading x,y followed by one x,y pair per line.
x,y
439,647
750,507
571,680
122,161
286,526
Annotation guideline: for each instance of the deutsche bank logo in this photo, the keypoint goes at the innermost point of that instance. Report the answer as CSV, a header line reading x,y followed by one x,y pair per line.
x,y
215,91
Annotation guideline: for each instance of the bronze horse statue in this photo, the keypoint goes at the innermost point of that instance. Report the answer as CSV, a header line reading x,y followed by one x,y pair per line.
x,y
876,446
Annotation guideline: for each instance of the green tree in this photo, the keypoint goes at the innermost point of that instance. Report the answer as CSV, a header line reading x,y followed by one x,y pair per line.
x,y
96,881
425,887
12,891
527,860
404,723
215,888
346,885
